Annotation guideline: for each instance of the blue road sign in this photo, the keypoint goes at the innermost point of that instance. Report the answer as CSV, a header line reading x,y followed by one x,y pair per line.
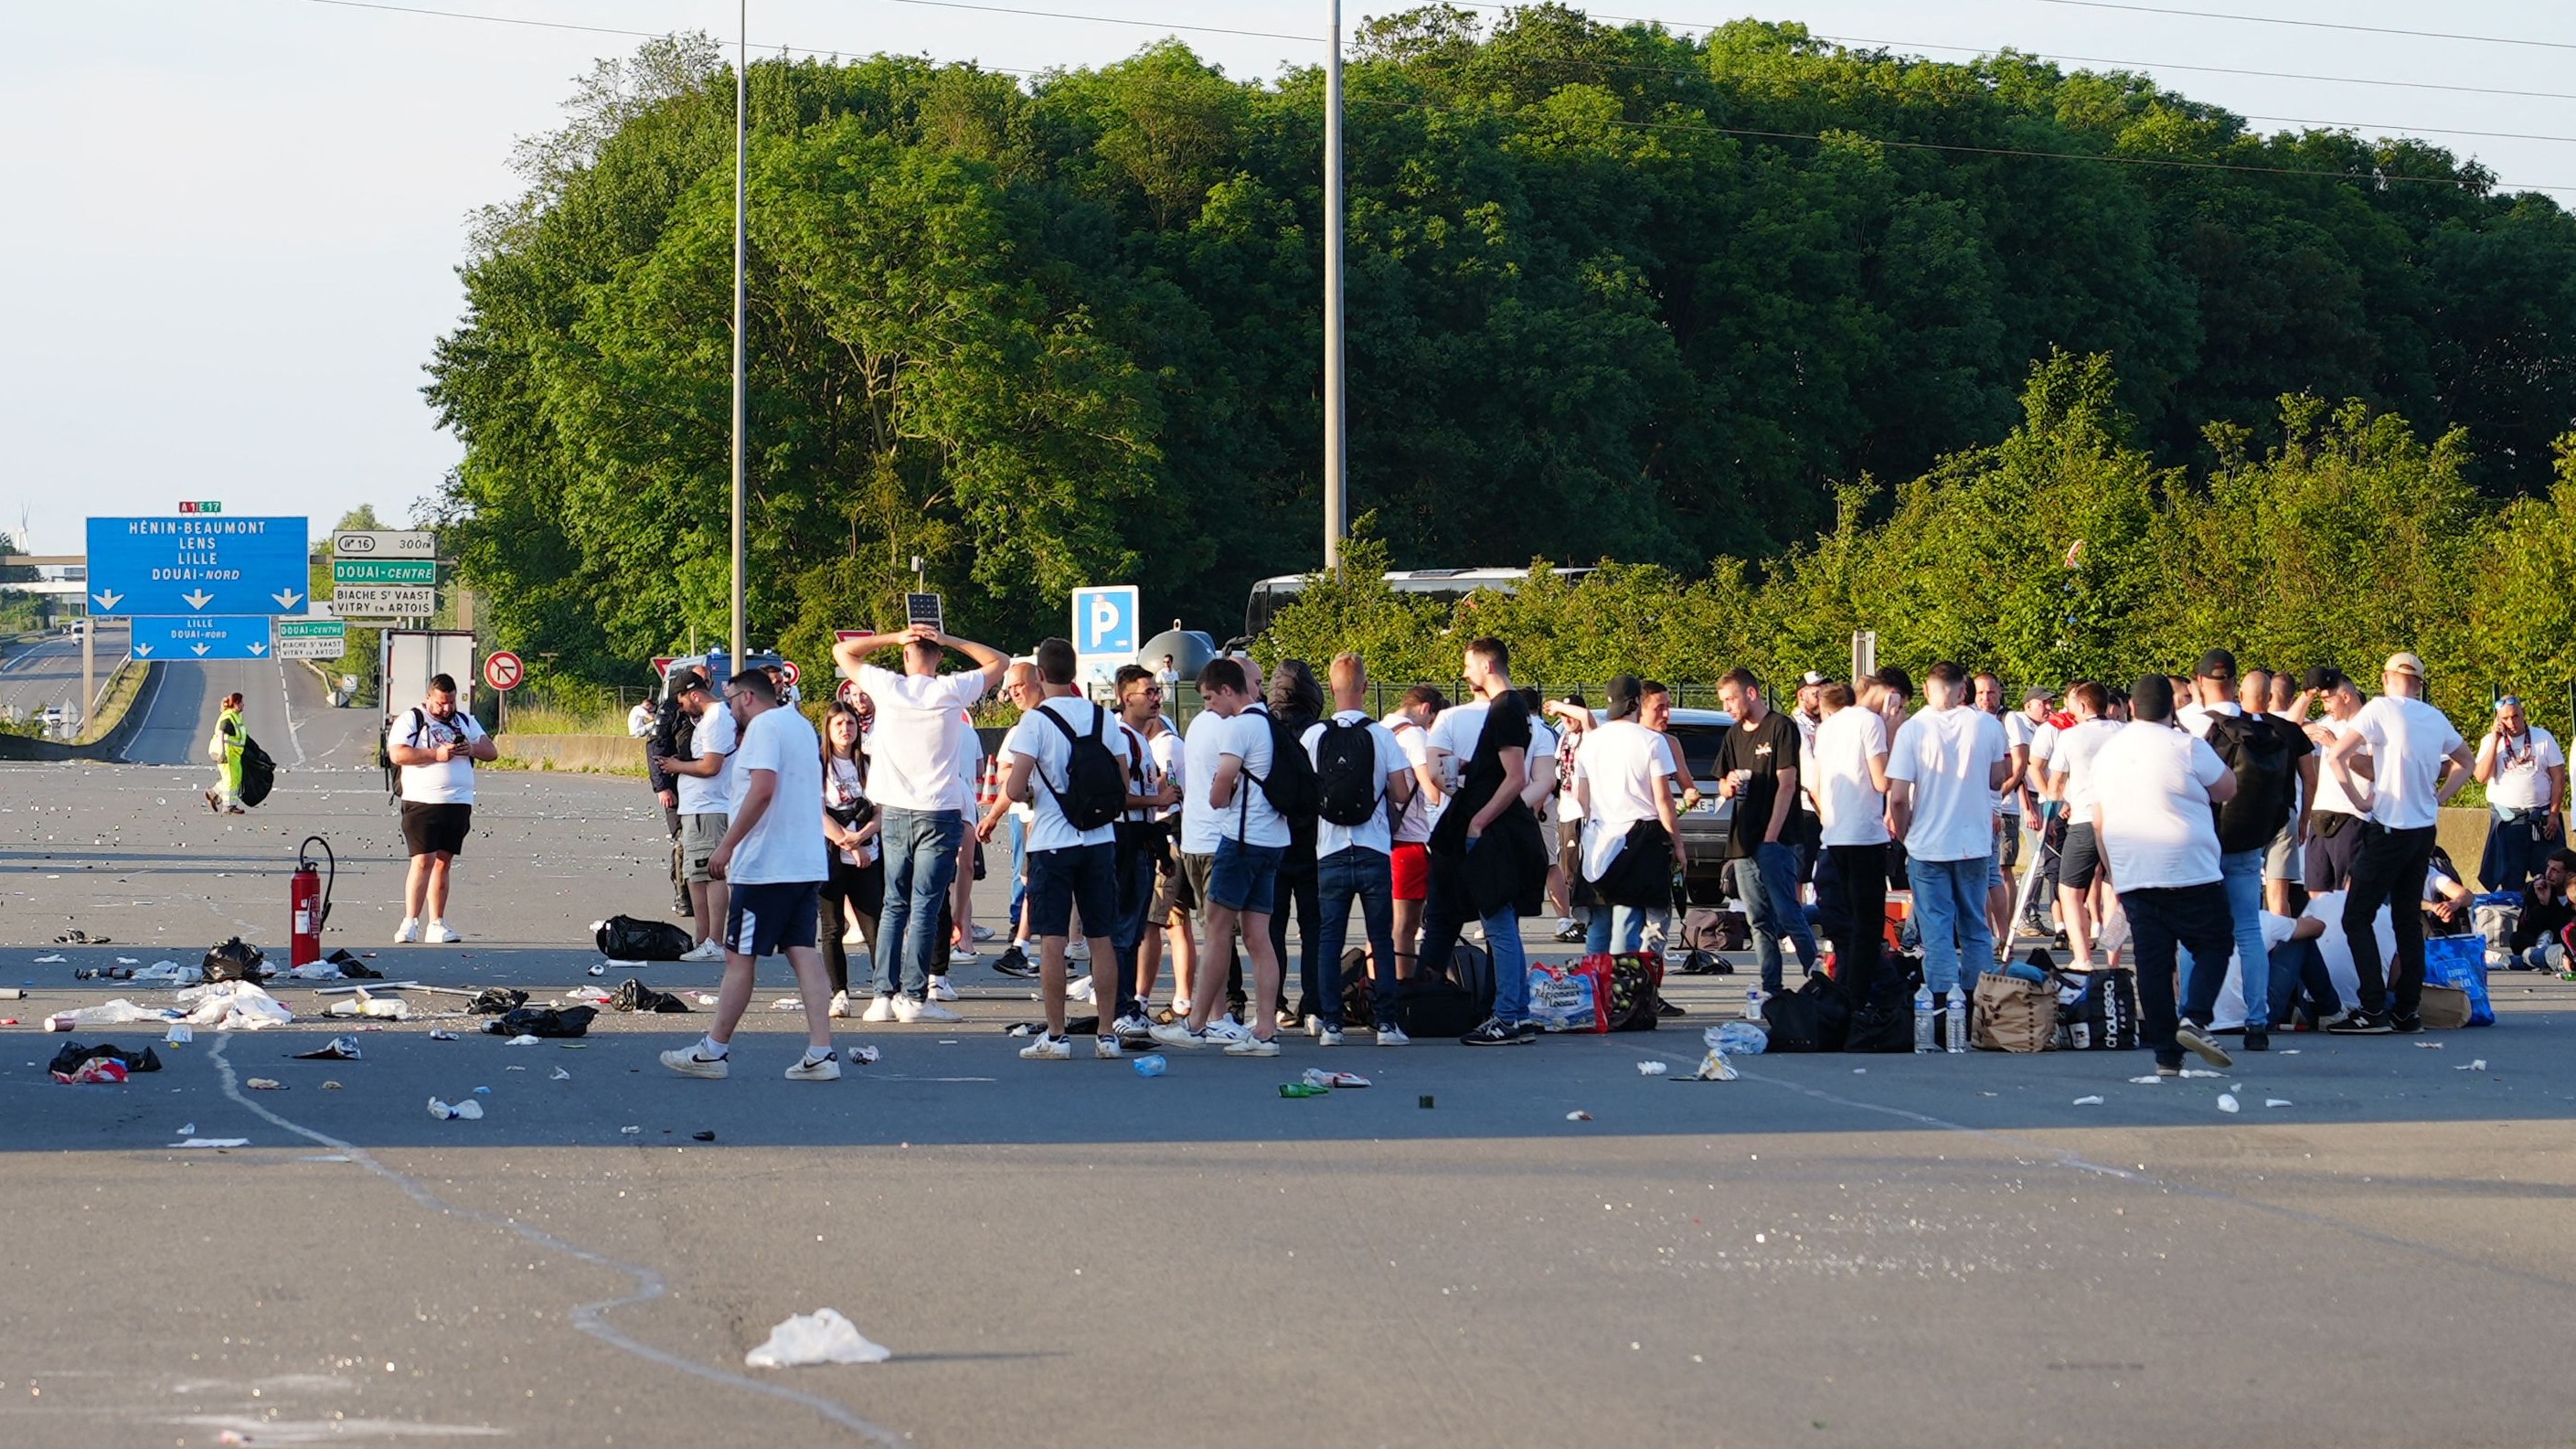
x,y
231,636
195,566
1104,620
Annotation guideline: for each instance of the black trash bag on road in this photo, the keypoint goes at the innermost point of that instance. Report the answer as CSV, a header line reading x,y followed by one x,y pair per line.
x,y
494,1000
634,995
70,1058
543,1021
234,961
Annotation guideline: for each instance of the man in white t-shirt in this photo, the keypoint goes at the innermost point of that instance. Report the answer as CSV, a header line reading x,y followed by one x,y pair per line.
x,y
1229,747
921,758
1850,791
703,781
1410,722
1623,778
2526,779
2024,730
1943,770
1069,762
2331,822
436,744
2153,785
1356,759
2411,744
775,859
2083,887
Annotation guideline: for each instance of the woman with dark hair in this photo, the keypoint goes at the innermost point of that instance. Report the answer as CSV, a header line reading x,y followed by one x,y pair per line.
x,y
1296,701
856,890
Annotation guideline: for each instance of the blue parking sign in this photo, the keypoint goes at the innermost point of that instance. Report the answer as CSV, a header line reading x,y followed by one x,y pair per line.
x,y
1104,620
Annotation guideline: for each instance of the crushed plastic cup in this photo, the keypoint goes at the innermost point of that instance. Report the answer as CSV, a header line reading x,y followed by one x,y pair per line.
x,y
180,1034
561,1075
863,1055
823,1336
598,970
1152,1065
1713,1067
2227,1102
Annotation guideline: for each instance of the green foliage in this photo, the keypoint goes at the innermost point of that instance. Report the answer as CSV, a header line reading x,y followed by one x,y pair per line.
x,y
1605,303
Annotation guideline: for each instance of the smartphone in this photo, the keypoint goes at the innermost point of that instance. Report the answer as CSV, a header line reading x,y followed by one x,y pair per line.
x,y
925,609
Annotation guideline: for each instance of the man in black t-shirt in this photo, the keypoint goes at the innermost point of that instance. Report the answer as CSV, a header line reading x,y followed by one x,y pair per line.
x,y
1486,814
1757,768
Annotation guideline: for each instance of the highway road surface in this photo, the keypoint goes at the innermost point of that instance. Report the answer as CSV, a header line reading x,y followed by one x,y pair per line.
x,y
48,672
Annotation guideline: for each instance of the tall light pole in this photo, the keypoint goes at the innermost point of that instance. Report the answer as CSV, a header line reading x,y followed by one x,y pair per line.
x,y
741,392
1337,455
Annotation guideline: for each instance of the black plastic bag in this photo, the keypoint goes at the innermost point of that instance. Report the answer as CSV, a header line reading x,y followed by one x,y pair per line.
x,y
543,1021
234,961
73,1054
630,938
634,995
493,1000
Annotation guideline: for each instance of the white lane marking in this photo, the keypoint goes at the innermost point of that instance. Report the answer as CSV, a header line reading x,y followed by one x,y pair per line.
x,y
294,735
159,676
590,1318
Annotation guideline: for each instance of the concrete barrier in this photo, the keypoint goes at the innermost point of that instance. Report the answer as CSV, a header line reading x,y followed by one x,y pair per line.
x,y
580,754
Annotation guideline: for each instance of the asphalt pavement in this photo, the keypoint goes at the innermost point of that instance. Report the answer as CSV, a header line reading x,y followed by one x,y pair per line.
x,y
1832,1250
48,671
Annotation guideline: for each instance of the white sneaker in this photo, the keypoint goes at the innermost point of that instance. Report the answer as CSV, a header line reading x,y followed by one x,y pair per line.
x,y
1078,949
439,935
840,1004
706,950
1328,1036
826,1070
983,933
1078,989
1314,1023
1253,1046
908,1010
409,933
1178,1034
1227,1029
1049,1049
1391,1035
962,956
940,990
686,1061
881,1009
1105,1046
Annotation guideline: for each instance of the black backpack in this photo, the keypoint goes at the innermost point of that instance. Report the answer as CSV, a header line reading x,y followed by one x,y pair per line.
x,y
1347,784
2255,750
626,938
1290,787
1095,783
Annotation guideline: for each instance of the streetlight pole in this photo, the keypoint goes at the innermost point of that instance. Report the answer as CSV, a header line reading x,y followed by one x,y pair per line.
x,y
1336,438
741,398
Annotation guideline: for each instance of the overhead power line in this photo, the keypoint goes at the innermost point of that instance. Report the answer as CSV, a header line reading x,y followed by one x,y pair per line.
x,y
2313,24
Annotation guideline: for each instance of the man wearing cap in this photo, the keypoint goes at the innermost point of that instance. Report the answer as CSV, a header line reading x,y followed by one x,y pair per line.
x,y
2526,780
2246,741
2408,741
704,783
2332,826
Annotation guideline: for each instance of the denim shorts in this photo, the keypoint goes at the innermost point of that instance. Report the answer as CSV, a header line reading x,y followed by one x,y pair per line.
x,y
1077,877
1245,876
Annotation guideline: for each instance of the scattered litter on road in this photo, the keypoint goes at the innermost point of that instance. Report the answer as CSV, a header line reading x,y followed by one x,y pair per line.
x,y
702,1136
105,1062
1578,1116
213,1142
180,1034
1152,1065
2227,1102
2431,1046
2088,1101
495,1000
2291,1052
118,1012
1319,1077
437,1035
337,1049
2276,1101
469,1109
49,960
599,970
2478,1065
265,1084
376,1008
482,1091
2147,1081
1652,1069
542,1021
1860,1071
188,1129
1425,1101
823,1336
1303,1089
865,1056
561,1075
634,995
706,998
1737,1039
788,1003
1713,1067
631,1131
331,1086
2197,1072
521,1040
234,1006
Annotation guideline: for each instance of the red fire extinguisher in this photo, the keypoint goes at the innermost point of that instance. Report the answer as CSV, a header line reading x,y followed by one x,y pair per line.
x,y
308,902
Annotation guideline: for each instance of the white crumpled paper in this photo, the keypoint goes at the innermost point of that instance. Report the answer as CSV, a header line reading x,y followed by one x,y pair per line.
x,y
822,1336
233,1006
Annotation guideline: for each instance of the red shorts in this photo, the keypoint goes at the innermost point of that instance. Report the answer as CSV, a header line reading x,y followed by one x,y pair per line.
x,y
1412,871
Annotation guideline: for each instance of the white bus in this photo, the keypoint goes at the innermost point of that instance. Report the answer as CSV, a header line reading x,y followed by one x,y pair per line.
x,y
1446,586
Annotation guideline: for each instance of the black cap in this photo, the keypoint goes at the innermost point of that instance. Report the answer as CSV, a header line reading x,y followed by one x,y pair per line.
x,y
2216,664
2321,677
1621,697
686,680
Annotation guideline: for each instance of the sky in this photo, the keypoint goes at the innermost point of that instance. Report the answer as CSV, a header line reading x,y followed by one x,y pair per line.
x,y
235,223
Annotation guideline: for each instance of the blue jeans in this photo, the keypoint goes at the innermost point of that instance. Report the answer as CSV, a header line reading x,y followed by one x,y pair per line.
x,y
1620,929
1950,908
1368,876
920,865
2242,876
1767,882
2298,969
1018,831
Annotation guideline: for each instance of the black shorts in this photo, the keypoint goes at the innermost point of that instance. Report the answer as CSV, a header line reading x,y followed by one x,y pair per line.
x,y
765,920
435,829
2008,840
1172,891
2079,859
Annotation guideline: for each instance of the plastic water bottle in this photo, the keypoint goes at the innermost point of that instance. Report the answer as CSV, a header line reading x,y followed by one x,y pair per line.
x,y
1923,1041
1753,1003
1151,1065
1958,1035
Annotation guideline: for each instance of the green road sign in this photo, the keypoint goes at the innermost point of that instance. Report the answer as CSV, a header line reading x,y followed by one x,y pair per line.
x,y
384,571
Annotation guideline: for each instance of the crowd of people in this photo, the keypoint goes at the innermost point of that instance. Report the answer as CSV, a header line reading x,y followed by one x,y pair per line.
x,y
2202,831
